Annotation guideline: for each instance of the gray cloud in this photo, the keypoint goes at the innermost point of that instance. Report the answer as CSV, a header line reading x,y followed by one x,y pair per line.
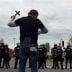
x,y
55,14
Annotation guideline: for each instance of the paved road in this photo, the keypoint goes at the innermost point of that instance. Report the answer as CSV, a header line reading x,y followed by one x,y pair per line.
x,y
40,70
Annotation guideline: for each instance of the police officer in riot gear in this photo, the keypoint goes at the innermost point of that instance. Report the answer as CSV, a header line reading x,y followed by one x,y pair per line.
x,y
45,56
54,55
68,56
17,48
6,57
71,57
1,54
40,57
59,56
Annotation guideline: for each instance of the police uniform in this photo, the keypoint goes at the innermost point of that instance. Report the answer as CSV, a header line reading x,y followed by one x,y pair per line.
x,y
59,56
6,57
1,55
45,57
54,55
68,56
17,48
71,57
40,57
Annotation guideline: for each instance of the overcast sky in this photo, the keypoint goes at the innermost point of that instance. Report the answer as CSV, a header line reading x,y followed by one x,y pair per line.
x,y
55,14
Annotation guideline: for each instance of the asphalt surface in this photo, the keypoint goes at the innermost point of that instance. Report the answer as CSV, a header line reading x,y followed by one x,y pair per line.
x,y
48,69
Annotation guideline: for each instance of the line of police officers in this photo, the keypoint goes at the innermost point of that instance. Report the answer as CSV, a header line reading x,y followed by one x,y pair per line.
x,y
42,56
58,56
4,56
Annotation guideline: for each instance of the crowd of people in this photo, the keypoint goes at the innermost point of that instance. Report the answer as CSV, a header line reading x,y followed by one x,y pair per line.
x,y
30,27
59,56
4,56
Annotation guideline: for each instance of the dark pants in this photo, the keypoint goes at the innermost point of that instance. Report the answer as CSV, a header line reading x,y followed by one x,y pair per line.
x,y
55,63
68,59
40,62
16,61
61,60
5,63
0,60
44,63
27,50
